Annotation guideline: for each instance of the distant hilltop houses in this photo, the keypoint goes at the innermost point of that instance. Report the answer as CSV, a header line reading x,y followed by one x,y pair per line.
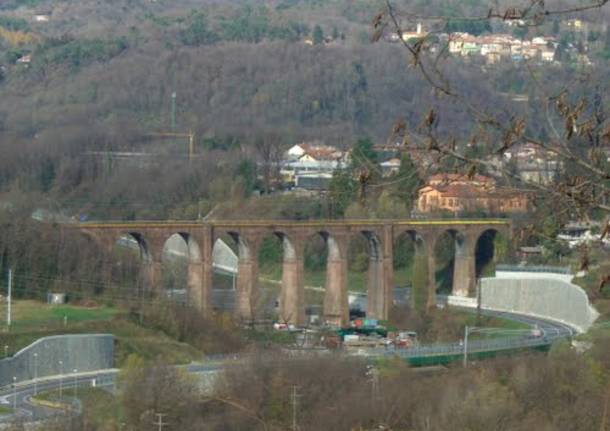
x,y
494,47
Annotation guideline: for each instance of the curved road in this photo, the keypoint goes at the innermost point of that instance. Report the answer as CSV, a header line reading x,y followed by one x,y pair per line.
x,y
20,396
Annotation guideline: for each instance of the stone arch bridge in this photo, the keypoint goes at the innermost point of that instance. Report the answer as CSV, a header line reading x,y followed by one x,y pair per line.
x,y
248,235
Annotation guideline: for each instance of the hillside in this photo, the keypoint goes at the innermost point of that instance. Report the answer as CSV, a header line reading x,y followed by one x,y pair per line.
x,y
94,77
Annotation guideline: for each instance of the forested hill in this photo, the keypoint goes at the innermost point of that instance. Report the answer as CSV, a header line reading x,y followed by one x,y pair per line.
x,y
81,76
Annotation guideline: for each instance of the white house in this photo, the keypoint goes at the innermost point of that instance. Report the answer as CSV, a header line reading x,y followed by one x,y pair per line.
x,y
295,152
390,167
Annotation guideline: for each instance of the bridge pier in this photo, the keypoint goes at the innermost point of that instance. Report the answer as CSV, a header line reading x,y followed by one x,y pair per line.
x,y
152,277
246,289
380,275
246,285
376,289
292,294
464,277
194,285
336,307
207,248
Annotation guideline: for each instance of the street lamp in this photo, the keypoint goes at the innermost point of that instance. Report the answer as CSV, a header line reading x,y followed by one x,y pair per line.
x,y
6,350
61,377
75,381
15,394
35,373
471,330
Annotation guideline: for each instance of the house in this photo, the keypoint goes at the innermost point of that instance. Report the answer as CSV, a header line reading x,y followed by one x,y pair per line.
x,y
313,151
26,59
313,181
308,163
547,54
533,164
295,151
526,253
390,167
418,34
458,193
464,44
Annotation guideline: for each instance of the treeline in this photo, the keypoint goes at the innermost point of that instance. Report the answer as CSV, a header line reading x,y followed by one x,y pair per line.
x,y
562,392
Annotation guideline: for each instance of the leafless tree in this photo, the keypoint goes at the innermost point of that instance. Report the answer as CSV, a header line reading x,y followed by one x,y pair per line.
x,y
576,128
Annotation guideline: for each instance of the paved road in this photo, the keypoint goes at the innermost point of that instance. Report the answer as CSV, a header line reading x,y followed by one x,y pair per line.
x,y
24,391
552,331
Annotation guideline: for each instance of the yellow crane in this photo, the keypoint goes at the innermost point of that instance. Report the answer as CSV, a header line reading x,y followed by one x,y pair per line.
x,y
190,135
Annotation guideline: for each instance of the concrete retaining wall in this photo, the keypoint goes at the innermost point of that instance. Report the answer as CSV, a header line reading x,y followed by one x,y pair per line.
x,y
549,298
531,275
83,352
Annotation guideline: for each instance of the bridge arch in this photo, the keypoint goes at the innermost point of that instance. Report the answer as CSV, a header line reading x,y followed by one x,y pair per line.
x,y
410,262
146,253
182,268
128,263
379,274
490,246
453,254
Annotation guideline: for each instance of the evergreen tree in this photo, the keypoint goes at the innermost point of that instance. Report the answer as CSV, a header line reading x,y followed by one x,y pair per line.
x,y
246,171
363,155
318,35
406,189
607,44
556,28
342,191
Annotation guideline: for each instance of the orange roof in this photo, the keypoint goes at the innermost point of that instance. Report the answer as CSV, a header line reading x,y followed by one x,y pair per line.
x,y
321,152
467,191
447,177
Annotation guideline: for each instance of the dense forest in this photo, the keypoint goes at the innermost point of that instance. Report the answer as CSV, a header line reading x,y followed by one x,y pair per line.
x,y
101,78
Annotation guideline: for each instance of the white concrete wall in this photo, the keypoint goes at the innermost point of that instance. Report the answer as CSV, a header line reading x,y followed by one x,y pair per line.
x,y
534,275
546,297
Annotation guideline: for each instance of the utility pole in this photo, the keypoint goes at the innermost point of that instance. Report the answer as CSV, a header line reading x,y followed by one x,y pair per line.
x,y
61,378
9,299
478,293
466,346
294,407
173,113
160,422
14,394
35,373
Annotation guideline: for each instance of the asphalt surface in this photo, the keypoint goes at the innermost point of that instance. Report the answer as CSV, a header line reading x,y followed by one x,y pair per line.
x,y
20,395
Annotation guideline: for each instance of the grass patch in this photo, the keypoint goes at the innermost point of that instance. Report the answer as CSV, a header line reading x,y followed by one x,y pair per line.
x,y
28,315
33,320
5,410
100,408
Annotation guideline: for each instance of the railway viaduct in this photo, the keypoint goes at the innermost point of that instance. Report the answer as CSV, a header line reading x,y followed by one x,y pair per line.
x,y
248,235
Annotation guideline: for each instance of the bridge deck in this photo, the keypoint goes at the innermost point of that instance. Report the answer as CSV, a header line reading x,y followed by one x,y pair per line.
x,y
289,223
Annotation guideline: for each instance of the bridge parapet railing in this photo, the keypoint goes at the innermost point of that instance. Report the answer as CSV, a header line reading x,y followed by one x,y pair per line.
x,y
534,268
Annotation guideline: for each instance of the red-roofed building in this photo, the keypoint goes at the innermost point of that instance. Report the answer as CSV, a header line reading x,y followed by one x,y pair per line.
x,y
458,193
